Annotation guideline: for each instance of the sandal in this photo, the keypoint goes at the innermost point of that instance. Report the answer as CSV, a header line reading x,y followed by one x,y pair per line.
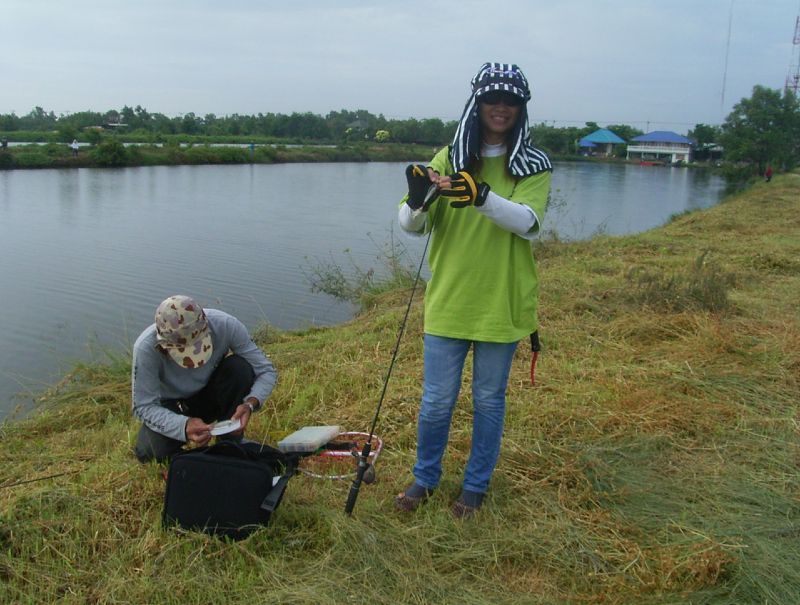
x,y
406,503
463,511
467,504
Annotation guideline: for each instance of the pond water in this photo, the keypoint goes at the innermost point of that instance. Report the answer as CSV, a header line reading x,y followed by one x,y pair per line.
x,y
87,254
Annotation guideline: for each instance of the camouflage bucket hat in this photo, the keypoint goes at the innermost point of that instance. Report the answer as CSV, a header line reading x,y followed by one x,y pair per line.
x,y
182,331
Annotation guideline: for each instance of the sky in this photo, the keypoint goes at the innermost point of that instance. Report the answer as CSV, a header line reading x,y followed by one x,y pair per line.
x,y
651,64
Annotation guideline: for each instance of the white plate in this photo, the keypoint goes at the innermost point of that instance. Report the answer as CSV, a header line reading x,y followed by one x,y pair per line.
x,y
225,426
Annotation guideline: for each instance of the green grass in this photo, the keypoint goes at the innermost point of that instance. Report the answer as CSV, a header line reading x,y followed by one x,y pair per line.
x,y
655,462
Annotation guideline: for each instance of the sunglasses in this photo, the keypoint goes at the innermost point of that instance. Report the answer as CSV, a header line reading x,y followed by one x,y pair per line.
x,y
495,97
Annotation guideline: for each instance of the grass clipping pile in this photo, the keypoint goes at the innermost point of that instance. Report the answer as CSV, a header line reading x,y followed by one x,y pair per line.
x,y
656,461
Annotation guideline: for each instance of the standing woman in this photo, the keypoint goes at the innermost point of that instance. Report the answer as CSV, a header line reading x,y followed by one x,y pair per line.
x,y
493,189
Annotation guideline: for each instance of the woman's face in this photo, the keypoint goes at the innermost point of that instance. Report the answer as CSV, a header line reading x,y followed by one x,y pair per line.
x,y
497,120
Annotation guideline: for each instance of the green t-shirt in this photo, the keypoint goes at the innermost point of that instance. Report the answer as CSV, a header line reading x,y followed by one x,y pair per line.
x,y
484,284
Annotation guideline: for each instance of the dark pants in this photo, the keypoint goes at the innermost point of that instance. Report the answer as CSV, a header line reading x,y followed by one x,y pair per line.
x,y
226,389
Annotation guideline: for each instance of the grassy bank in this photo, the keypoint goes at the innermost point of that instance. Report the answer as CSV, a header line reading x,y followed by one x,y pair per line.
x,y
656,461
112,153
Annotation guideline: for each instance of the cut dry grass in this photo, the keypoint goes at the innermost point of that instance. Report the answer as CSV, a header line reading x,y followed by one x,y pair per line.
x,y
655,462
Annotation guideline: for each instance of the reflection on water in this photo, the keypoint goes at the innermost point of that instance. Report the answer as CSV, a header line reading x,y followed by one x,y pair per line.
x,y
613,199
87,254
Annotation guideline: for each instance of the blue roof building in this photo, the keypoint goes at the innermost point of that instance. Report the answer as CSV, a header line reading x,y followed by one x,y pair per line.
x,y
660,147
602,139
662,136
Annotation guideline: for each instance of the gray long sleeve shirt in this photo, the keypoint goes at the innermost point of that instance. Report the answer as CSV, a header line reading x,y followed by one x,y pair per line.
x,y
155,377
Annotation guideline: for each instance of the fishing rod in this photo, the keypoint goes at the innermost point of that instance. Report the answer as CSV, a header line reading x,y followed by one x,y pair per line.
x,y
363,457
26,481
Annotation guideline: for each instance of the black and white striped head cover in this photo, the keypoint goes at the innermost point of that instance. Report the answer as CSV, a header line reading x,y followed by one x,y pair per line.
x,y
523,158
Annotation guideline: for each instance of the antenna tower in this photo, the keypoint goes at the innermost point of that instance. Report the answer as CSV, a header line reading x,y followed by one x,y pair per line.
x,y
793,79
727,52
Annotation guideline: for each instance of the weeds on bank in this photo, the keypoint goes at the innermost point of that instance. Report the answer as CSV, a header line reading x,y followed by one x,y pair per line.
x,y
361,286
703,287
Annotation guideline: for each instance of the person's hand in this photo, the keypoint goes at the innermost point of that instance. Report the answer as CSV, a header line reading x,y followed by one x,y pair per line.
x,y
197,431
421,186
242,414
462,190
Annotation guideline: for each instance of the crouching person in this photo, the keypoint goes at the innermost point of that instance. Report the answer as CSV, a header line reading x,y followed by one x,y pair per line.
x,y
191,368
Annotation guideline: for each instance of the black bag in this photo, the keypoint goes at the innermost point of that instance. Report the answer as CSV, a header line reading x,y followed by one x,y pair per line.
x,y
228,489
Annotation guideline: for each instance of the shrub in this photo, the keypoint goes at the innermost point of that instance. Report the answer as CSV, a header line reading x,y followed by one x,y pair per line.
x,y
110,153
6,160
361,286
94,136
265,154
31,159
703,287
738,176
230,155
135,156
173,152
67,133
54,150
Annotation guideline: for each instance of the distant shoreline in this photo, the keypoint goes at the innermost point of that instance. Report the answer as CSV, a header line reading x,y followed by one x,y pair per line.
x,y
113,153
116,154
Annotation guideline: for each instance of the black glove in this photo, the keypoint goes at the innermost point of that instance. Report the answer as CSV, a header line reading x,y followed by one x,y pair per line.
x,y
421,191
464,191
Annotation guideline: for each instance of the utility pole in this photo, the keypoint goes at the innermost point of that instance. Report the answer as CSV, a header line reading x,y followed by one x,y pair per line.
x,y
793,78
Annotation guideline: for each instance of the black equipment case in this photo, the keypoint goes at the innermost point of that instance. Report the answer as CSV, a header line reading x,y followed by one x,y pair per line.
x,y
228,489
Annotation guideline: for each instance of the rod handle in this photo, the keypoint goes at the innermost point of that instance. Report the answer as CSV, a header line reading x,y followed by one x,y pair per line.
x,y
363,464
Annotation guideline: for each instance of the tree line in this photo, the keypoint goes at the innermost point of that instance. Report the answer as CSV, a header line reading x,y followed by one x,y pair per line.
x,y
762,129
335,127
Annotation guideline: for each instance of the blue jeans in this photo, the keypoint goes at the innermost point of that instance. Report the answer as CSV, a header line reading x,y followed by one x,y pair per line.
x,y
444,362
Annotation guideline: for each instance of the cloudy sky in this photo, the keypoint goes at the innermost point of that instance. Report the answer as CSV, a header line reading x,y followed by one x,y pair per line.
x,y
653,64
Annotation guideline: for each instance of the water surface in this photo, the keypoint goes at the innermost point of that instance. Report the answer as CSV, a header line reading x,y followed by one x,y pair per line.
x,y
87,254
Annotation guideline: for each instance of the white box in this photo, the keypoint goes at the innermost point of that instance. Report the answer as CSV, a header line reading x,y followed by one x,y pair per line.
x,y
308,439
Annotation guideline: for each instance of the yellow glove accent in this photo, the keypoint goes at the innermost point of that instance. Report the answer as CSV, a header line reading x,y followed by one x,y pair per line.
x,y
463,190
